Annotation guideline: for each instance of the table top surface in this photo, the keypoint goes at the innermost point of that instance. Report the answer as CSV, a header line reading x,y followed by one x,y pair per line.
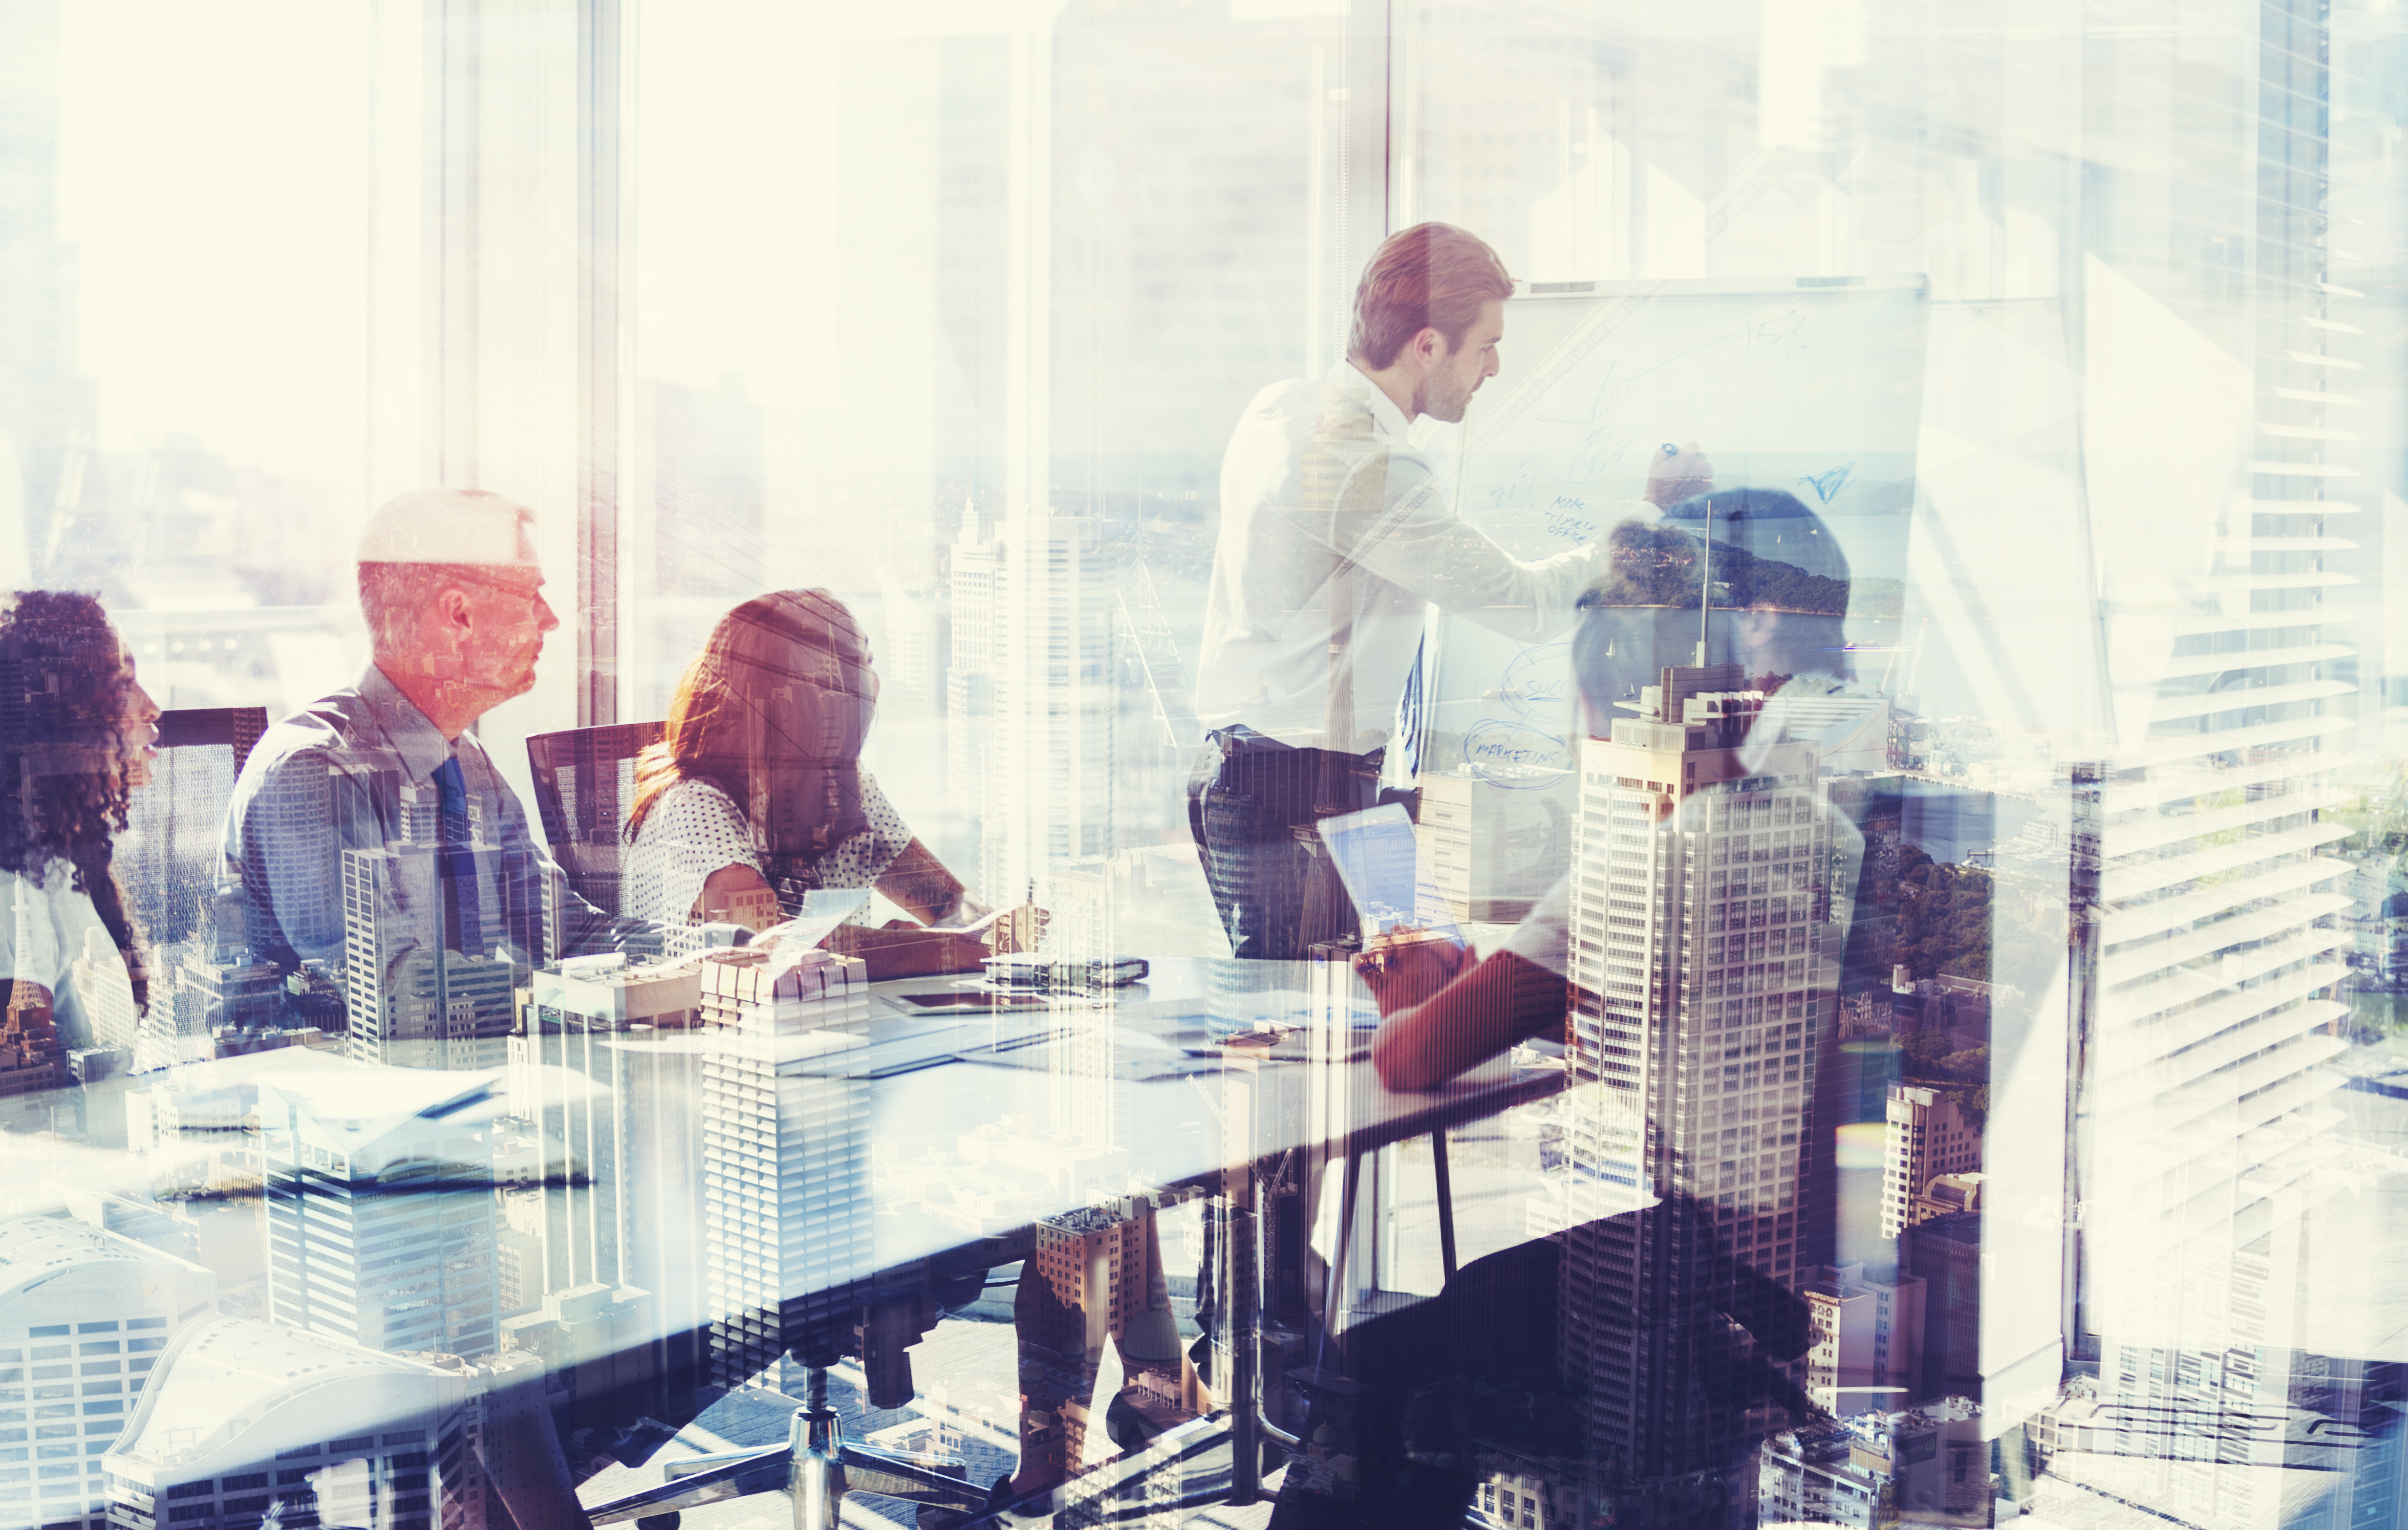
x,y
1124,1089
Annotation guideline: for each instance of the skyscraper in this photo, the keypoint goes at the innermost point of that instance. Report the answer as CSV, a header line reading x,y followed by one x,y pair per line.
x,y
2209,948
785,1163
1047,789
1945,1254
47,413
706,535
91,1309
1928,1136
379,1195
1868,1350
220,981
619,1116
970,666
431,958
1702,972
1100,1284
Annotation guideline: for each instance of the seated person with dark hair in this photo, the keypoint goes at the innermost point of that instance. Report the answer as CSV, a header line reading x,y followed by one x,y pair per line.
x,y
1782,591
755,794
1676,1319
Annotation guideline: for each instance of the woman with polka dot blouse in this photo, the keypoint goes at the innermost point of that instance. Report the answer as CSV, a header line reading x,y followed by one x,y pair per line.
x,y
756,795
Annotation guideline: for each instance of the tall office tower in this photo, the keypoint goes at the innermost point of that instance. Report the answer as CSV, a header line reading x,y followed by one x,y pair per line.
x,y
1100,1285
248,1419
429,969
108,1004
291,818
172,854
590,773
1082,899
620,1119
1945,1254
1927,1137
705,544
219,982
1868,1350
785,1158
599,1346
48,414
707,488
969,668
88,1309
380,1196
1047,794
1702,972
2208,946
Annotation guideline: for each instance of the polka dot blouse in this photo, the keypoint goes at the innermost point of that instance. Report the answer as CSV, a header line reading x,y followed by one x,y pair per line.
x,y
695,829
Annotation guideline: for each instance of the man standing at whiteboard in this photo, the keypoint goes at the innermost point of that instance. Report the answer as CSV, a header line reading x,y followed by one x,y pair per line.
x,y
1334,537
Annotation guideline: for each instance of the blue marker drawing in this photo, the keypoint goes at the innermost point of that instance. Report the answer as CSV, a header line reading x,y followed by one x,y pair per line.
x,y
1568,518
1512,756
1827,484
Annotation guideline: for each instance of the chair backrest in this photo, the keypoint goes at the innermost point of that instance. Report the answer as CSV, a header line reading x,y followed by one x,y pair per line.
x,y
172,852
583,780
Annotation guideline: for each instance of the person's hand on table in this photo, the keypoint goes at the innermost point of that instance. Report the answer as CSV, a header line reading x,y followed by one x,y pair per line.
x,y
1675,475
1408,967
959,946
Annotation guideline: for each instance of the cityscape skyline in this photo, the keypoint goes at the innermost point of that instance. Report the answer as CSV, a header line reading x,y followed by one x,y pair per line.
x,y
2066,1140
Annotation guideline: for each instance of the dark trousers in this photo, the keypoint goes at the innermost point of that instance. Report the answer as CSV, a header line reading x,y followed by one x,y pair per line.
x,y
1251,804
1410,1399
1403,1403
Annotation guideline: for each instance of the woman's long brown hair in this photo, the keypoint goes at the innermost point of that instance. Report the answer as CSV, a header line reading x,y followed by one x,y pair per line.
x,y
773,712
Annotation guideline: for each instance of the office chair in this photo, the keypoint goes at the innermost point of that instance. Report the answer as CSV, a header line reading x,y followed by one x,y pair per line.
x,y
582,781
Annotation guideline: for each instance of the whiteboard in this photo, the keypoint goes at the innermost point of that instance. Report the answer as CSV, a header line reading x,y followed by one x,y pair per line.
x,y
1812,386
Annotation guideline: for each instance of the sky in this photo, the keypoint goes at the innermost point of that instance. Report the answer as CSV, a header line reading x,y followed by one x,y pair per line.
x,y
213,179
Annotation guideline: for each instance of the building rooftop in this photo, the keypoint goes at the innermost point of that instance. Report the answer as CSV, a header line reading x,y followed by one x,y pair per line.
x,y
247,1389
610,989
354,1103
1957,1227
37,1249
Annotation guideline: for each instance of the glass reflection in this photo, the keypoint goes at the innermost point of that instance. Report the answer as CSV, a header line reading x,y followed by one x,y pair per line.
x,y
1844,546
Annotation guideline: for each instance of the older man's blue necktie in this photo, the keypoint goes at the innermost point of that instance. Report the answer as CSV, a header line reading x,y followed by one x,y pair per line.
x,y
454,863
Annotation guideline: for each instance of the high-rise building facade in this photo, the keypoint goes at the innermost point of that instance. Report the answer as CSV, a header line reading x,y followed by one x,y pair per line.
x,y
603,1068
1928,1136
785,1159
88,1311
2210,907
380,1196
1049,776
434,945
1868,1350
971,562
1945,1254
1701,974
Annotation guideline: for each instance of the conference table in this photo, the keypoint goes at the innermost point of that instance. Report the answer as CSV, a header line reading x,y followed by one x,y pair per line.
x,y
1206,1079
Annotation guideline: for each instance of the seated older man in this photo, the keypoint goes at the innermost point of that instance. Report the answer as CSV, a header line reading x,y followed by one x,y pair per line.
x,y
373,829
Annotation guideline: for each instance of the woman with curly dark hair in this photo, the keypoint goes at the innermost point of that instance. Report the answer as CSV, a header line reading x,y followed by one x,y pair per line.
x,y
76,732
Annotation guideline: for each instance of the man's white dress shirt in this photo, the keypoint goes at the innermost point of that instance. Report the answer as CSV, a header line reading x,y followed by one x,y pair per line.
x,y
1321,492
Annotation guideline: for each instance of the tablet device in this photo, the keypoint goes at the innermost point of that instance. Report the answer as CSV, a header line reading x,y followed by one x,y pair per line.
x,y
1380,860
954,1000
